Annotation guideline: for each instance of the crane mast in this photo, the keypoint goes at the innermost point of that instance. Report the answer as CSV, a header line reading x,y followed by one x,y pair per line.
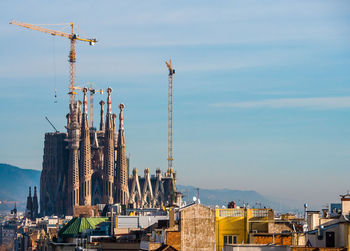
x,y
72,58
170,115
92,93
72,68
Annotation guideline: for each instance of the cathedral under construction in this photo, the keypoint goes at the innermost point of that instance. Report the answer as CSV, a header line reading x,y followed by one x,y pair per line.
x,y
86,166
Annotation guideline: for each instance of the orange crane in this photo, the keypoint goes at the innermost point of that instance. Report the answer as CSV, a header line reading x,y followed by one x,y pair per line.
x,y
170,115
72,54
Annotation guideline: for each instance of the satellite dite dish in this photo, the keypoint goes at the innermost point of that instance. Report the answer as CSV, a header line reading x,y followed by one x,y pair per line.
x,y
194,198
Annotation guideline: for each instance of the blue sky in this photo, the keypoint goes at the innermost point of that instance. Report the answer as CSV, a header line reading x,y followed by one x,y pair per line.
x,y
261,90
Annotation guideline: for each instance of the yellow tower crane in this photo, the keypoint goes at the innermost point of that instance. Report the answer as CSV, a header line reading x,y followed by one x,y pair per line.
x,y
72,54
170,116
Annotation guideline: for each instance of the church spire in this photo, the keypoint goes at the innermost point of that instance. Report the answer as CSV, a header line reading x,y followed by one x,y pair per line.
x,y
73,166
109,102
108,160
35,205
102,116
122,176
121,117
85,157
29,207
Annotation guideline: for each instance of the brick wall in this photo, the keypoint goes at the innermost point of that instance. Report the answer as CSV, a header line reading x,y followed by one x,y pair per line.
x,y
316,249
197,228
173,238
275,239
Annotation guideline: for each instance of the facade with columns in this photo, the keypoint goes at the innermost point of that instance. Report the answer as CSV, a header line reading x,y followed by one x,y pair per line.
x,y
88,166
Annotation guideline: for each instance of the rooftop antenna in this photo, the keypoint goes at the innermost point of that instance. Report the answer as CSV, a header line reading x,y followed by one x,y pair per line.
x,y
305,226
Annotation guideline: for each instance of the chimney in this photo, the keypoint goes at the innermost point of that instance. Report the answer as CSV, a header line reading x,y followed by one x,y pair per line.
x,y
345,204
171,217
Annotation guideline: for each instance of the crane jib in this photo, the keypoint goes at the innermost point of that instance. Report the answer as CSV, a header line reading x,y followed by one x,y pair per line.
x,y
72,54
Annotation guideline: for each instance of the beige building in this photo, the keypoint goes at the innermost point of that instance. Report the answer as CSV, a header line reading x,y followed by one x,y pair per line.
x,y
195,229
190,228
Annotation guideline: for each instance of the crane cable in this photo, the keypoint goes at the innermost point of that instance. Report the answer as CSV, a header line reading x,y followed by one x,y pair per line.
x,y
54,68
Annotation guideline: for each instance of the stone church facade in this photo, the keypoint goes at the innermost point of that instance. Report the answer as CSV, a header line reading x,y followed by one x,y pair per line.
x,y
88,166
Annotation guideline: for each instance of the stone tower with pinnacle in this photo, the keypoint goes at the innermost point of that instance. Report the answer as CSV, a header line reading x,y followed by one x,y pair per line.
x,y
108,160
85,157
35,209
122,191
73,168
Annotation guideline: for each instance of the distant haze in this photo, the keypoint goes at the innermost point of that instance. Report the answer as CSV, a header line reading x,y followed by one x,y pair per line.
x,y
15,182
261,90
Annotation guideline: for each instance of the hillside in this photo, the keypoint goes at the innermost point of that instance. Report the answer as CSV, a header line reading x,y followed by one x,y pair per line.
x,y
221,197
14,183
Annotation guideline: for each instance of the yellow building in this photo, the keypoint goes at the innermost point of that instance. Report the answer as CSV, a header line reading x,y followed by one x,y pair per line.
x,y
234,225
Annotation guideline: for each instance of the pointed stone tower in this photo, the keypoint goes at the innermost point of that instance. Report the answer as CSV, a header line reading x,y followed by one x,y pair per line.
x,y
73,167
102,116
14,211
85,157
108,160
35,205
122,190
79,113
29,207
115,135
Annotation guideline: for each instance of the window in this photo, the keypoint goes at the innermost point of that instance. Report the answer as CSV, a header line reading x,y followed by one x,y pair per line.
x,y
230,239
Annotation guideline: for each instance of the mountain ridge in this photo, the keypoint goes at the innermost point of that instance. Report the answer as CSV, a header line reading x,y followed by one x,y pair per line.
x,y
221,197
14,183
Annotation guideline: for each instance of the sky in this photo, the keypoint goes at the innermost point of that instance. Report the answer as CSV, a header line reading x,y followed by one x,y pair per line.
x,y
261,90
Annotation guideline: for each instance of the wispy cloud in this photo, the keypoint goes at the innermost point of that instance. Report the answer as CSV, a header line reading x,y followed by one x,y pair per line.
x,y
309,103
